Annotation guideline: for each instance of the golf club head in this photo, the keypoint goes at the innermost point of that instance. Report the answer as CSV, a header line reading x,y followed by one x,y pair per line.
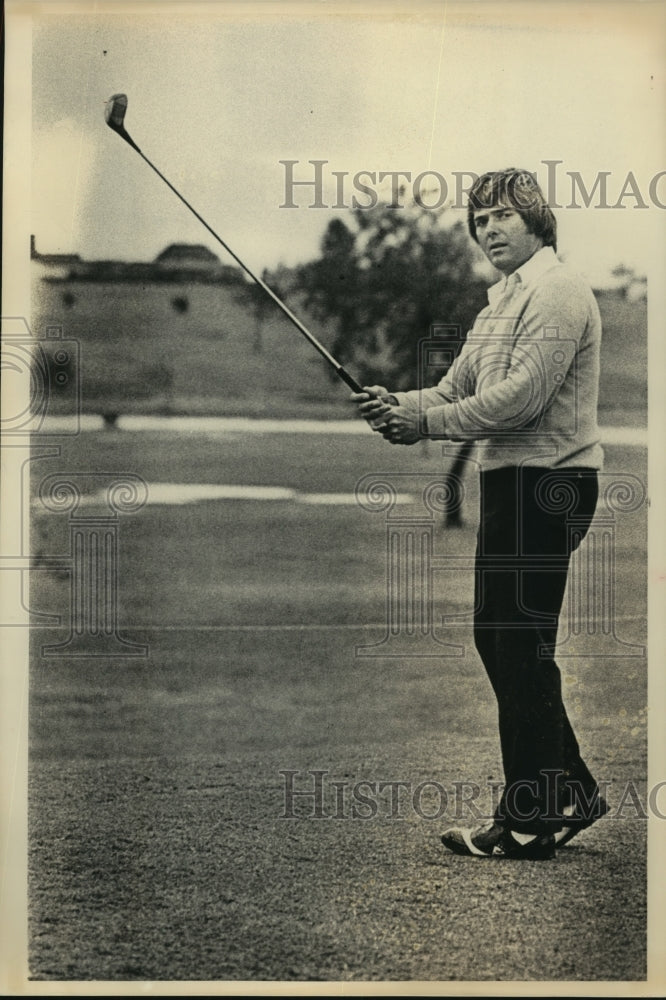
x,y
114,116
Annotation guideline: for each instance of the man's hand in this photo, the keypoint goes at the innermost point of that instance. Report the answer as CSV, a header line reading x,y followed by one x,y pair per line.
x,y
374,404
381,409
401,426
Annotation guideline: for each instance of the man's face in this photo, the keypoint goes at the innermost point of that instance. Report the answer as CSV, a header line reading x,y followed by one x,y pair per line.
x,y
504,237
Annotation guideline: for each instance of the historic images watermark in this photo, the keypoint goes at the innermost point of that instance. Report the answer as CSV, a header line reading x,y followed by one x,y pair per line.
x,y
315,794
37,370
313,184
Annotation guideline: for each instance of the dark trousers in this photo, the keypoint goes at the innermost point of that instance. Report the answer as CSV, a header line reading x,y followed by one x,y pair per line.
x,y
531,521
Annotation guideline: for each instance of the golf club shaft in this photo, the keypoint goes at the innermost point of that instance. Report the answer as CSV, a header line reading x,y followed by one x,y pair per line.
x,y
340,371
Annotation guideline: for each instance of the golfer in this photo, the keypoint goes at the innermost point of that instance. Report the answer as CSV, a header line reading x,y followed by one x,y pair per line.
x,y
525,388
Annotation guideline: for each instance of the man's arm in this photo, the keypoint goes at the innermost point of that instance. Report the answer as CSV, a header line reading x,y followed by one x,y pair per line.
x,y
548,338
420,400
398,416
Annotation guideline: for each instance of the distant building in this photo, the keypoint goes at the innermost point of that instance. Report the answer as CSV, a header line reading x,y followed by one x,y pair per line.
x,y
194,260
188,255
58,265
52,258
179,262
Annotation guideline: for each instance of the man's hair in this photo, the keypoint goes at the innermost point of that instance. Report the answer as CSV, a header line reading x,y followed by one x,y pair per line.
x,y
519,189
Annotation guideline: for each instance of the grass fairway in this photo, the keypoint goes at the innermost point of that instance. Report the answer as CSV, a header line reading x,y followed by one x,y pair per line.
x,y
162,843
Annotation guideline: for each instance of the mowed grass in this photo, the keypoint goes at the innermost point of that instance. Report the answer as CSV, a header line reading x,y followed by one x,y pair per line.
x,y
159,848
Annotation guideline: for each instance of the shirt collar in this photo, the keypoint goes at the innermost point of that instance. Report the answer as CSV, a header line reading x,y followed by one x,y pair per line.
x,y
533,268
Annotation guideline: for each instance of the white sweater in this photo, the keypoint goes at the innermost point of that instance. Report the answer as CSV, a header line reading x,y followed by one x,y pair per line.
x,y
525,384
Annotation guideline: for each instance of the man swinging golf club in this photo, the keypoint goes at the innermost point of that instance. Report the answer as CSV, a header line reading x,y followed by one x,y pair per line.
x,y
525,388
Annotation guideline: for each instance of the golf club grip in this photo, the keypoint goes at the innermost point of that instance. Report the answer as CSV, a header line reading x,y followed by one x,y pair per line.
x,y
349,379
353,384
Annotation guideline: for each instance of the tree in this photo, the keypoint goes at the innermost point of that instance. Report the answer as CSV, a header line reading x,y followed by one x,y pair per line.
x,y
383,279
625,276
252,296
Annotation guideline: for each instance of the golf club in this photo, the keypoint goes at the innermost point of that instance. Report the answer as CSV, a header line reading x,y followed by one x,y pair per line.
x,y
114,115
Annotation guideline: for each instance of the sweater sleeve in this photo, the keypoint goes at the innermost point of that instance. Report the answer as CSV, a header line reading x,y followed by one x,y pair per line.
x,y
446,390
548,336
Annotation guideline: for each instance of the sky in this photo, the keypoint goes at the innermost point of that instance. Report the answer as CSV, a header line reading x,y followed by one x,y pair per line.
x,y
220,94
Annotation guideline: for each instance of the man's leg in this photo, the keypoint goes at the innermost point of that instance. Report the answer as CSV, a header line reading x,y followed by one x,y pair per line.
x,y
558,510
522,561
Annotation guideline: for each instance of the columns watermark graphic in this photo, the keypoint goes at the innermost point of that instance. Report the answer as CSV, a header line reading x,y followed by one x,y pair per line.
x,y
590,625
93,559
38,372
412,519
413,507
35,370
591,628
